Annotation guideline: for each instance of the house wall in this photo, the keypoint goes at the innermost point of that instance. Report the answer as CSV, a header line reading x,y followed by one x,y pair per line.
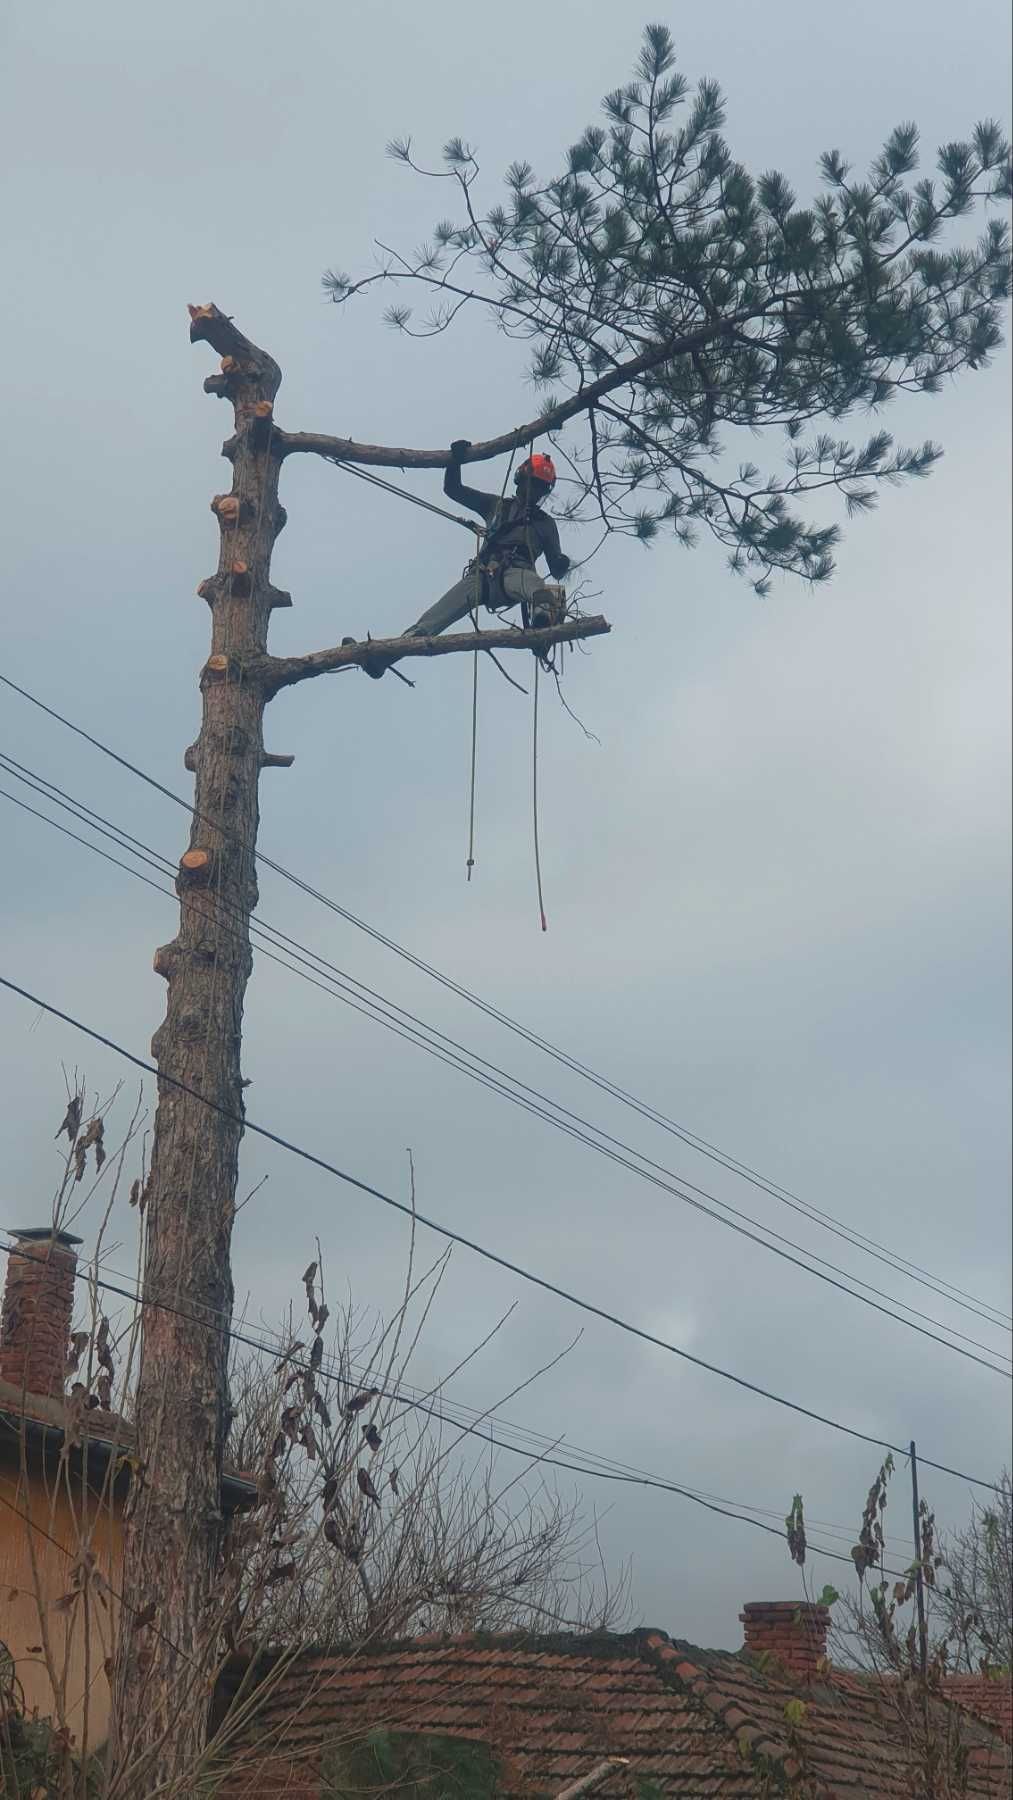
x,y
35,1573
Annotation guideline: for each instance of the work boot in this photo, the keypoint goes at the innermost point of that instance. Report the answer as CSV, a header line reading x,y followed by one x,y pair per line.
x,y
548,607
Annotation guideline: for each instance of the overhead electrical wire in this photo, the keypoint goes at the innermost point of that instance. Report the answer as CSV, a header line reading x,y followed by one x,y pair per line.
x,y
419,1033
414,1032
273,1343
491,1256
592,1465
901,1265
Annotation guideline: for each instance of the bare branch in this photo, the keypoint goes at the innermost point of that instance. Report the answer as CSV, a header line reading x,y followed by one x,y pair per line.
x,y
283,671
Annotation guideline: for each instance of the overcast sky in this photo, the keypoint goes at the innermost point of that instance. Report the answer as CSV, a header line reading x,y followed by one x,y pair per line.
x,y
777,890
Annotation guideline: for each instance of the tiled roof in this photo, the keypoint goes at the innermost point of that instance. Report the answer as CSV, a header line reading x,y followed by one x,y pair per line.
x,y
989,1696
698,1725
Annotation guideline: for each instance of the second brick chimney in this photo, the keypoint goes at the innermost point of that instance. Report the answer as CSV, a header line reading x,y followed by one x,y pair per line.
x,y
792,1632
38,1306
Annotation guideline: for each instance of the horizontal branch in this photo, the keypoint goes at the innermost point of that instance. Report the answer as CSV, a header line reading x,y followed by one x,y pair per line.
x,y
339,449
283,671
217,329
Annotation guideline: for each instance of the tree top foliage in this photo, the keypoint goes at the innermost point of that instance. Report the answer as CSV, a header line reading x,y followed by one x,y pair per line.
x,y
673,301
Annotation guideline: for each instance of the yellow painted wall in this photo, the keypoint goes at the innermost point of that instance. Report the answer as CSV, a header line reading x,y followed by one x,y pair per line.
x,y
36,1572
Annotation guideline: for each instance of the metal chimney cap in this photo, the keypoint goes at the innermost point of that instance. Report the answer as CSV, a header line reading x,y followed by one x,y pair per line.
x,y
38,1234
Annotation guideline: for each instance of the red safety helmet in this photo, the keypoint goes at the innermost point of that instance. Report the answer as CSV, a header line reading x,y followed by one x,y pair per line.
x,y
538,468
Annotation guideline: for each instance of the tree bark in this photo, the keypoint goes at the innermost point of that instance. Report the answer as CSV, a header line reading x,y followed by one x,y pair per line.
x,y
170,1635
174,1517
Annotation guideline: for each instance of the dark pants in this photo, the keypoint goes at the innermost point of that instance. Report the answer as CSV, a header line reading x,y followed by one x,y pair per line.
x,y
509,588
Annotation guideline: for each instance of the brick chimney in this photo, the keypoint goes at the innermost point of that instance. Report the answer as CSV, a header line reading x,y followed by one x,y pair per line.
x,y
792,1632
38,1305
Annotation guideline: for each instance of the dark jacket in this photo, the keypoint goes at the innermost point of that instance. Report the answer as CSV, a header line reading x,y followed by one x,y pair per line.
x,y
519,532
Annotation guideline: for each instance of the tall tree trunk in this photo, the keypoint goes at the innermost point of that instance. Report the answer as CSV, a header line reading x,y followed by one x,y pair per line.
x,y
170,1629
174,1515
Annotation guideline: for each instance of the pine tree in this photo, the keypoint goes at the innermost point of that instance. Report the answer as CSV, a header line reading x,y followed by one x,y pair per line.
x,y
676,304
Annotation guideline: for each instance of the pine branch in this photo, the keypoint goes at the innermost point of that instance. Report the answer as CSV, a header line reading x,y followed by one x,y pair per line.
x,y
708,306
341,449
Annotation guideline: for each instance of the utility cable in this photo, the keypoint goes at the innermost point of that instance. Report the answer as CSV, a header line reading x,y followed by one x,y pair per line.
x,y
703,1146
412,1030
417,1032
607,1469
481,1250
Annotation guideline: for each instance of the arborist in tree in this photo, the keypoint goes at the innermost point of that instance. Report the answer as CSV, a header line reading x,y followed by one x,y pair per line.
x,y
518,533
504,573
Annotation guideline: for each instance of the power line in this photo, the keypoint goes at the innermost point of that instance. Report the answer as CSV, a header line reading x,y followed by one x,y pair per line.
x,y
901,1265
260,927
607,1469
481,1250
278,1346
419,1033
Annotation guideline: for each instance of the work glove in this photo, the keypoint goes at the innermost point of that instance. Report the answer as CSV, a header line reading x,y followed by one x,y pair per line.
x,y
459,448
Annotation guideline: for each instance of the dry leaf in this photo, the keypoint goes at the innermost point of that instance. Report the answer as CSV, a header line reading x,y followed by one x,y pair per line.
x,y
72,1118
358,1401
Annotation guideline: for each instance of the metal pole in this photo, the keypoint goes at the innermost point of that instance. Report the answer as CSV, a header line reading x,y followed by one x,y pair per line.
x,y
923,1644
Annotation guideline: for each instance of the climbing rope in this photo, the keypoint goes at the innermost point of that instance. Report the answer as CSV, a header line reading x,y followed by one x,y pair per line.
x,y
441,512
391,487
474,705
477,571
534,803
474,745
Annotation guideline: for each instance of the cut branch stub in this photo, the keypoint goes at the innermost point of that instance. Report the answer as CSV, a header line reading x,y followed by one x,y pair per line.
x,y
208,590
163,960
194,867
215,669
278,597
228,508
246,361
239,579
269,760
